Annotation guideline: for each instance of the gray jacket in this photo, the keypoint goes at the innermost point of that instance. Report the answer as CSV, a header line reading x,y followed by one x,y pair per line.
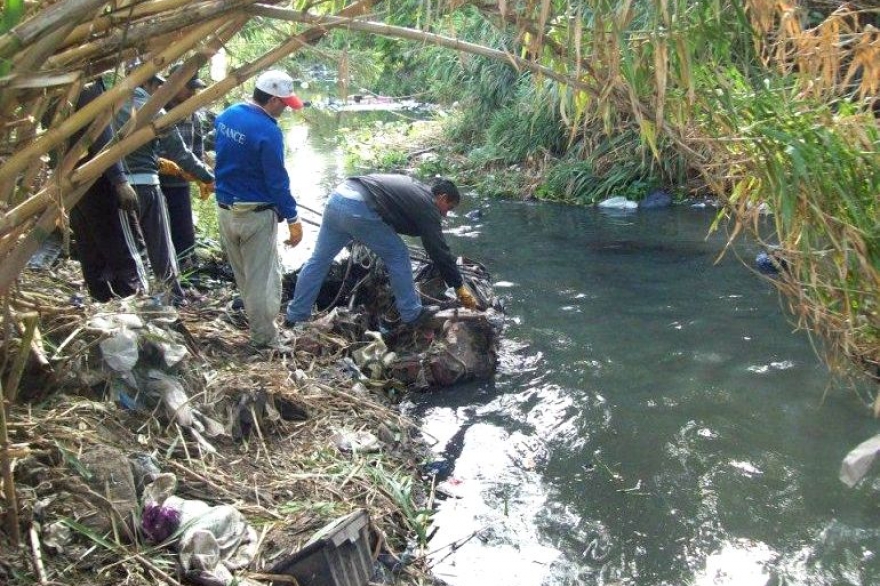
x,y
142,164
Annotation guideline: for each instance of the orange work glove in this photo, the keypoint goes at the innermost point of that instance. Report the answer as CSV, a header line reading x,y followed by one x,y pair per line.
x,y
205,190
466,298
168,167
296,233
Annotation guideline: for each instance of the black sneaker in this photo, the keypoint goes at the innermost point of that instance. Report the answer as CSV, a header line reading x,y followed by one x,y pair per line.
x,y
427,312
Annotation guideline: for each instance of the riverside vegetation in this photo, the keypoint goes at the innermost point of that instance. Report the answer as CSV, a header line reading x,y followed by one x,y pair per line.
x,y
763,105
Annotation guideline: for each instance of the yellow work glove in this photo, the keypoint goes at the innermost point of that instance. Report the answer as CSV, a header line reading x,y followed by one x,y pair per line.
x,y
296,233
205,190
465,297
167,167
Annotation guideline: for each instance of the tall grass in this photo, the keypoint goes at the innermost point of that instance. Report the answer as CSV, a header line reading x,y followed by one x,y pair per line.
x,y
816,166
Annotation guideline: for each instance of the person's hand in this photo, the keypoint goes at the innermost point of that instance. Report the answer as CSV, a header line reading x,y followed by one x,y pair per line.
x,y
465,297
126,196
168,167
296,234
205,190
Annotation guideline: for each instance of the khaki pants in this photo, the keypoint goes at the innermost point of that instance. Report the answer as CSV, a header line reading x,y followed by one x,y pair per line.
x,y
250,240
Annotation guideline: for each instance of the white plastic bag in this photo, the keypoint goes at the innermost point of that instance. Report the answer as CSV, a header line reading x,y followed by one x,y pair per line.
x,y
856,463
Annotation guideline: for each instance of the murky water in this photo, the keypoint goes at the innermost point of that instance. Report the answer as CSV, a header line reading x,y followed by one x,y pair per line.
x,y
655,419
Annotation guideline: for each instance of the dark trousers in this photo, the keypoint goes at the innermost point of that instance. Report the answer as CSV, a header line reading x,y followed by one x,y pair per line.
x,y
183,233
153,218
108,244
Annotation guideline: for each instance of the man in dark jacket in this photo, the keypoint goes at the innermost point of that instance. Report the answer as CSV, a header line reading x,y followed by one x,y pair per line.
x,y
142,171
374,210
176,187
104,223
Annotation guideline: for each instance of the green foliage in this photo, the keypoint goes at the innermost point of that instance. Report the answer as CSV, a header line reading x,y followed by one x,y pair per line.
x,y
676,94
206,212
327,509
399,486
816,167
569,181
393,160
13,10
370,470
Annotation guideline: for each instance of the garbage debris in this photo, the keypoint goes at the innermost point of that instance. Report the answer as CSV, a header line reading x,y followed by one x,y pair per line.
x,y
857,462
144,468
213,540
49,251
452,488
356,441
108,474
337,555
171,395
618,203
455,345
141,371
120,350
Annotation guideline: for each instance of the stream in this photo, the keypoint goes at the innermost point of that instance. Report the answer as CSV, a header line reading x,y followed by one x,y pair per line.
x,y
656,418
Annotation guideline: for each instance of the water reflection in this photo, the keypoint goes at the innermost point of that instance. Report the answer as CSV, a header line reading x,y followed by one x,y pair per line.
x,y
311,166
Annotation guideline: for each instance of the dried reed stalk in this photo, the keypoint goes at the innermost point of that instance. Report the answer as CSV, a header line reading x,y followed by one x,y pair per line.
x,y
12,528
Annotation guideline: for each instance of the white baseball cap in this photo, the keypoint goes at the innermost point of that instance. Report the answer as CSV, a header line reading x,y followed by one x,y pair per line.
x,y
279,84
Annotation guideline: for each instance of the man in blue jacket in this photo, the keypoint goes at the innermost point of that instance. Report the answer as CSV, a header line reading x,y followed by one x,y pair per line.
x,y
253,194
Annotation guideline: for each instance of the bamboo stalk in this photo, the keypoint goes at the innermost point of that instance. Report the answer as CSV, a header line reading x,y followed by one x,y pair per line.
x,y
110,63
17,258
32,58
23,212
138,33
12,528
30,327
8,190
83,177
77,151
7,241
45,46
105,22
388,30
108,100
45,22
37,553
38,80
213,92
93,169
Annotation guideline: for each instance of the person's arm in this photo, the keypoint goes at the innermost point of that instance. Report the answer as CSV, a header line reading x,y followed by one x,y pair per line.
x,y
198,136
115,173
126,197
436,247
173,148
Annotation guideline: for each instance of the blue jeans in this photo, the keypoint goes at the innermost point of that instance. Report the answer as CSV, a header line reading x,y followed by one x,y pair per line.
x,y
349,219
